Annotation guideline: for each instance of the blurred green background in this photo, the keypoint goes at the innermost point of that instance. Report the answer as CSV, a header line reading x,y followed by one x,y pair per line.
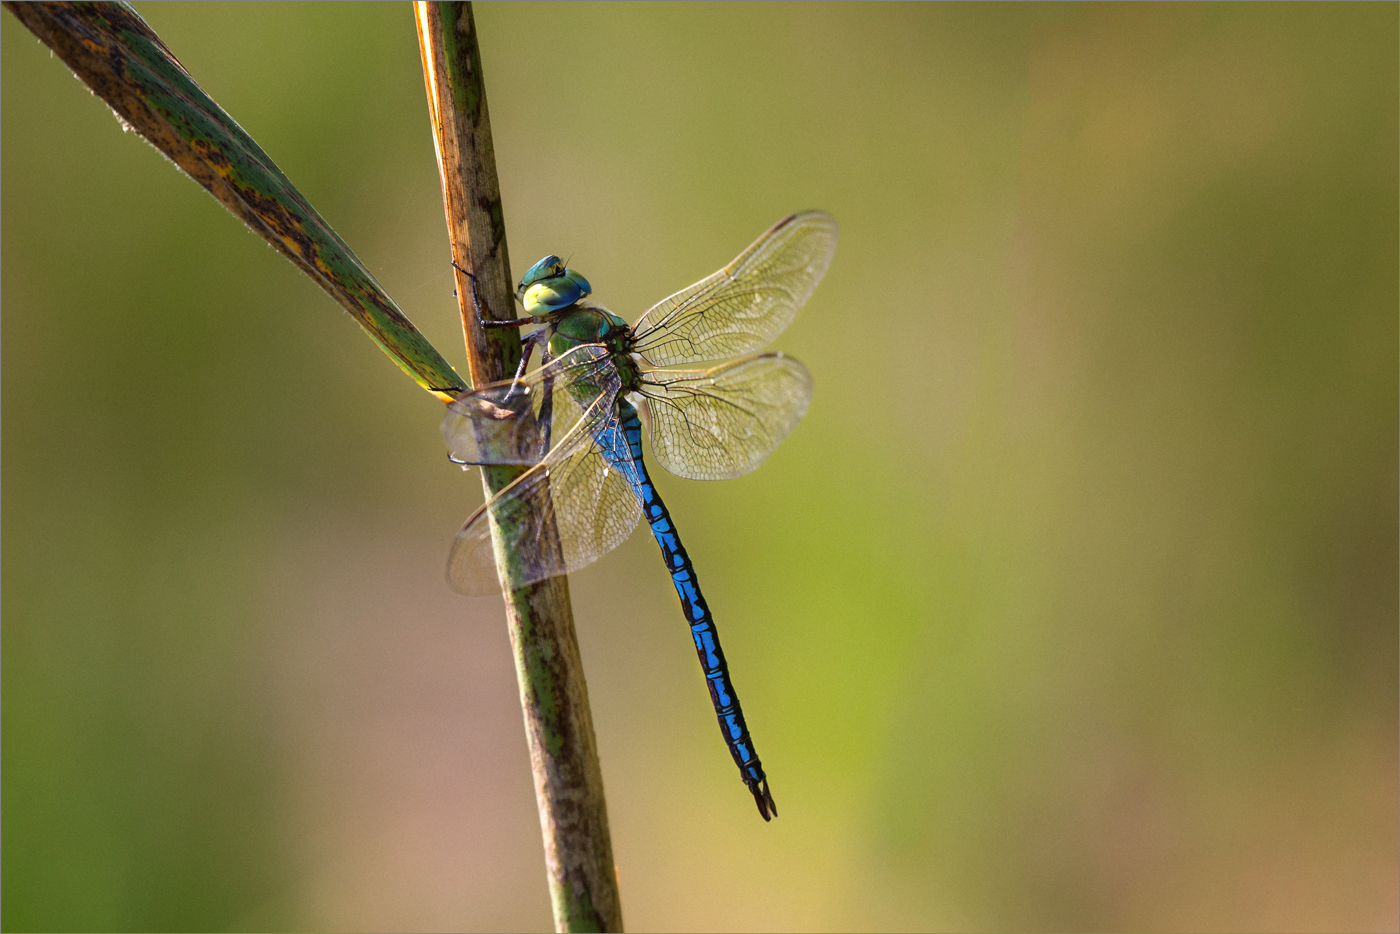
x,y
1071,605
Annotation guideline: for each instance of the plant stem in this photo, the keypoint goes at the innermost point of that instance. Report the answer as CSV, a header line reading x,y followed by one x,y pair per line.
x,y
558,724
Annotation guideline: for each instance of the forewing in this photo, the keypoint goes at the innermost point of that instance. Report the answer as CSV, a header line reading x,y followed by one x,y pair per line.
x,y
561,515
520,422
723,422
741,308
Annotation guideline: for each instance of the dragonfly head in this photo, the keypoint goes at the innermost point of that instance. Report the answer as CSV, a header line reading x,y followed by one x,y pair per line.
x,y
548,287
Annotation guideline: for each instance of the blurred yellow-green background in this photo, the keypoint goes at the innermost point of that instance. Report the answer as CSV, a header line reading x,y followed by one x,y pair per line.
x,y
1071,605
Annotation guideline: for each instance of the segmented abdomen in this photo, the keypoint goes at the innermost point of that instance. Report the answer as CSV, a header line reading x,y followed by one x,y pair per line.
x,y
702,626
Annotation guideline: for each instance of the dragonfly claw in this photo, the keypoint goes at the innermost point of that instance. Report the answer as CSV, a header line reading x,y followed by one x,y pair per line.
x,y
764,799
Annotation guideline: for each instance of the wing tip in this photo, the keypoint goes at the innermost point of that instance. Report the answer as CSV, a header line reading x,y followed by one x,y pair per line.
x,y
816,215
807,213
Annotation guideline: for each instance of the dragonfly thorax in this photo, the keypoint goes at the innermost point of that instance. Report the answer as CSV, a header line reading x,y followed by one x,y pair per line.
x,y
587,323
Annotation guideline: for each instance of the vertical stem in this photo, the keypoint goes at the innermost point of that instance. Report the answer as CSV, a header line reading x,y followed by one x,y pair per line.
x,y
558,724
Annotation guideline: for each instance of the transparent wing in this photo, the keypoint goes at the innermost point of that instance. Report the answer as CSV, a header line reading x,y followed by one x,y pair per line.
x,y
741,308
522,422
723,422
570,509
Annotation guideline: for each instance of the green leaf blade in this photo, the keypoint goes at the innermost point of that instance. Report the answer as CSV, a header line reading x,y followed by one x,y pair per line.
x,y
112,50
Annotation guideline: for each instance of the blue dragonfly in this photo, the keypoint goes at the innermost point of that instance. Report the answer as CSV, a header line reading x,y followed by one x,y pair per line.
x,y
576,423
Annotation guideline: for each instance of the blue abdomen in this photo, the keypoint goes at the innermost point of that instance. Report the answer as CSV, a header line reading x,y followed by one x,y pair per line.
x,y
702,627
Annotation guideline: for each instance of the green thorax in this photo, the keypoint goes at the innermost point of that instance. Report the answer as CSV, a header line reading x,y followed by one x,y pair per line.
x,y
587,323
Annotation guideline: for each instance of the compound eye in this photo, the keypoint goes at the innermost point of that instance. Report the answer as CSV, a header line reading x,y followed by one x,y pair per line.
x,y
549,267
577,279
550,295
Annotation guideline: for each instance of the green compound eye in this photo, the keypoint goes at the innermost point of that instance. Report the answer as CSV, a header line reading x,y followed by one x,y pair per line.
x,y
577,278
550,295
548,268
548,287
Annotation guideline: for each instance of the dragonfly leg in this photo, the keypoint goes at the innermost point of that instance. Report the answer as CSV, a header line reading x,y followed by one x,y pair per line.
x,y
546,416
481,319
527,347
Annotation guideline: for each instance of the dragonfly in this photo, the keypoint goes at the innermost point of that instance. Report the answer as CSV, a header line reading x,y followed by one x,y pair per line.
x,y
576,422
